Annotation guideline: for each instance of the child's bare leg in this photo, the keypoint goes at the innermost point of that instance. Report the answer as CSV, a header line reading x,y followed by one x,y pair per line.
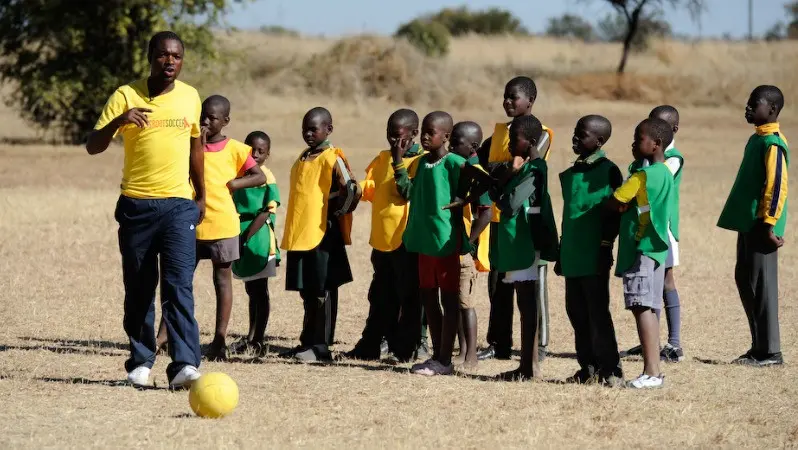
x,y
223,284
162,339
451,317
468,319
528,307
461,341
259,308
253,311
432,308
648,331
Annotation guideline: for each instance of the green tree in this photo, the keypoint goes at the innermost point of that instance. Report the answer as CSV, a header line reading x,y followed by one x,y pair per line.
x,y
460,21
633,11
570,26
613,28
65,59
432,38
792,26
776,32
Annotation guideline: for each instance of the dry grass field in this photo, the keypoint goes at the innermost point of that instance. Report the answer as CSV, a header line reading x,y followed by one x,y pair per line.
x,y
62,345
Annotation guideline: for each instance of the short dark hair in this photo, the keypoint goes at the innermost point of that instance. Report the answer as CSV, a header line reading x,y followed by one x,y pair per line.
x,y
525,85
440,116
218,100
530,127
599,124
320,112
658,129
770,94
159,37
404,117
471,130
667,113
257,135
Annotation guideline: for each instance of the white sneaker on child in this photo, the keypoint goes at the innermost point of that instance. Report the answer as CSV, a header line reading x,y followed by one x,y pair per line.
x,y
184,378
646,382
139,376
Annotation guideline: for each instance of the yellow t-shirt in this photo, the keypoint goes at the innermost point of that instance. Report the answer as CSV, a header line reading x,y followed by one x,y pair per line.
x,y
635,188
157,156
389,210
224,161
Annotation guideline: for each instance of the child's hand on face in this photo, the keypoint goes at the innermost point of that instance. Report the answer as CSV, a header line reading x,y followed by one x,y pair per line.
x,y
204,135
399,147
518,163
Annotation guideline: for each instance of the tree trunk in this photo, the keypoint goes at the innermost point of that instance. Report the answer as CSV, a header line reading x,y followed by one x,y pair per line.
x,y
631,31
627,43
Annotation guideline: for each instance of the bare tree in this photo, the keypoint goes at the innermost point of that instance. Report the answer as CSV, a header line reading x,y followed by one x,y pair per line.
x,y
634,10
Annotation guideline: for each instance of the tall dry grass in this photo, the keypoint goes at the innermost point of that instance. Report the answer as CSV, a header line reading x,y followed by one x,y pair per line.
x,y
62,344
706,73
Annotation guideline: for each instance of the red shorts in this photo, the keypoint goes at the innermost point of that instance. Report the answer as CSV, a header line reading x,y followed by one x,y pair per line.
x,y
439,273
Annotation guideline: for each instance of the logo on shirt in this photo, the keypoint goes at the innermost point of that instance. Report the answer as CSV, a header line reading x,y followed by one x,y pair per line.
x,y
170,123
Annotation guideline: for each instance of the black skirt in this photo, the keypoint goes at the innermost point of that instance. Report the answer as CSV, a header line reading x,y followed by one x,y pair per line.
x,y
324,268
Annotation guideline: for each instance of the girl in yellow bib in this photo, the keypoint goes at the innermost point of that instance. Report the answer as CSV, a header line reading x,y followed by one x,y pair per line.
x,y
318,225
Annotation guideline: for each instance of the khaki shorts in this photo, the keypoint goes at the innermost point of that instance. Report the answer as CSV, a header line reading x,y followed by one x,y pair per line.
x,y
468,277
219,251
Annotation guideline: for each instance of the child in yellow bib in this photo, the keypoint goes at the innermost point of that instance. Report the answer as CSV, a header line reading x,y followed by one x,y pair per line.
x,y
520,94
394,303
318,225
228,168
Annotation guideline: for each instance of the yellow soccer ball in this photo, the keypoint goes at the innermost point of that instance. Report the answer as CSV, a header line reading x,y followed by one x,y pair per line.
x,y
213,395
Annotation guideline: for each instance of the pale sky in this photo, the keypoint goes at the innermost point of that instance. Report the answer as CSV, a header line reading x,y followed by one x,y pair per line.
x,y
335,18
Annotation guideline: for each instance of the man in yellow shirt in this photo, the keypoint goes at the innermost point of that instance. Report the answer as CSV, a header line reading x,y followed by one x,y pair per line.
x,y
395,310
158,118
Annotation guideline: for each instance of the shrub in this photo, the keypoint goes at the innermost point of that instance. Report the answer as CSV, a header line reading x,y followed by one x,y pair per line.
x,y
570,26
431,38
460,21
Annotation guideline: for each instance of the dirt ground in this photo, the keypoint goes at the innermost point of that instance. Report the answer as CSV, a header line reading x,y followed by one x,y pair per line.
x,y
62,346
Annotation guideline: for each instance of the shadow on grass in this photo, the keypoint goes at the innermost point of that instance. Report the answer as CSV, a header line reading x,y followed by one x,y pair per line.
x,y
563,355
109,383
60,350
79,342
713,362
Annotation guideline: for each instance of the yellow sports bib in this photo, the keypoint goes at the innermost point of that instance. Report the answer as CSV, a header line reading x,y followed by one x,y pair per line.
x,y
308,200
482,261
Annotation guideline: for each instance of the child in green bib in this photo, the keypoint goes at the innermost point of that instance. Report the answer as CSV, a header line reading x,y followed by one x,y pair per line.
x,y
259,253
645,200
588,234
757,210
465,141
672,351
526,233
436,234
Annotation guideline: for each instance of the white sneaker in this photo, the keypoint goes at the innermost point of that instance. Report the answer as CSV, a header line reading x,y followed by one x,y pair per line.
x,y
139,376
646,382
184,378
